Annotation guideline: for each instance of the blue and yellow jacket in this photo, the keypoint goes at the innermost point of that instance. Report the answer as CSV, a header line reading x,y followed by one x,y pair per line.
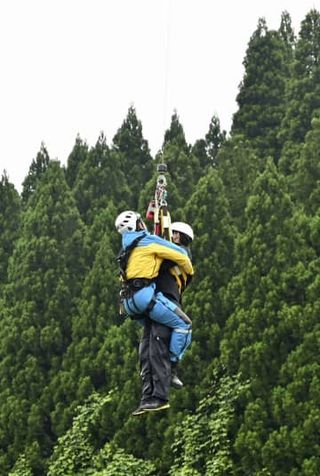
x,y
146,258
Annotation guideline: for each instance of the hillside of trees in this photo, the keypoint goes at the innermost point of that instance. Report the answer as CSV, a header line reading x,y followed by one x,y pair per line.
x,y
69,376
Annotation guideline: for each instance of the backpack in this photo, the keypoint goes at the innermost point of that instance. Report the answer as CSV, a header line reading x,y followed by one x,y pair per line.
x,y
123,256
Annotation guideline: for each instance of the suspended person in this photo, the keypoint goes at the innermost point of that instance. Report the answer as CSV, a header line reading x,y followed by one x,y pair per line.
x,y
158,369
172,282
139,294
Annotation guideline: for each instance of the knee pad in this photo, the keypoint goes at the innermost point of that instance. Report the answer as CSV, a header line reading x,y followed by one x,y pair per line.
x,y
180,341
169,304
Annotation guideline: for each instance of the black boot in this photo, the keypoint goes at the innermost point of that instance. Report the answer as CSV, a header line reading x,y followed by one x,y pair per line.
x,y
175,381
155,405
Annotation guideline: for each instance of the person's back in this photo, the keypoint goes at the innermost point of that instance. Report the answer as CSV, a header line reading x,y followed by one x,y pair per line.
x,y
146,258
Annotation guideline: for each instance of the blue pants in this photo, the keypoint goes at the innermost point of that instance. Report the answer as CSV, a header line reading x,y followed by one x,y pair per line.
x,y
163,311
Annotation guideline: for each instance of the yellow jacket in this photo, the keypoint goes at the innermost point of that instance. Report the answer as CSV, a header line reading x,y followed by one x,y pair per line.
x,y
146,258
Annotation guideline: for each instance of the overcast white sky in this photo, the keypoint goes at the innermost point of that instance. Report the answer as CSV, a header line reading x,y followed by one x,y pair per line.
x,y
76,66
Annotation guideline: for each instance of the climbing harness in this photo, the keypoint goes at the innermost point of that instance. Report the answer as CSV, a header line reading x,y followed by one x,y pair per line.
x,y
123,256
126,288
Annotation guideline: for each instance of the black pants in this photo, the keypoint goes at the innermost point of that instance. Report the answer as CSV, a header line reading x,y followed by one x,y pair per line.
x,y
155,366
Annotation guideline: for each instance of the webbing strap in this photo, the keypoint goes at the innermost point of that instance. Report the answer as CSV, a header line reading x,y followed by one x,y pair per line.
x,y
151,304
148,308
183,331
130,308
138,311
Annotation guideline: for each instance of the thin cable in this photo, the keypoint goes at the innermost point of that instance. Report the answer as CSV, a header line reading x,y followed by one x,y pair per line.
x,y
166,61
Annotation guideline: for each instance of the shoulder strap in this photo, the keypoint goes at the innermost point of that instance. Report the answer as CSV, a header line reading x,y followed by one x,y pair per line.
x,y
123,256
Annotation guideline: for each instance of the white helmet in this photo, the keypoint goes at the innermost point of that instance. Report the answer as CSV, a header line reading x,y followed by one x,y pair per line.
x,y
127,221
183,228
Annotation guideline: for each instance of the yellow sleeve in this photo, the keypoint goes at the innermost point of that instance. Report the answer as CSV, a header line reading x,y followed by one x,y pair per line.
x,y
182,259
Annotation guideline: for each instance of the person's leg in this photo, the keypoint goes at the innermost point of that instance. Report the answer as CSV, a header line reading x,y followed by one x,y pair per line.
x,y
167,313
145,367
162,310
160,368
145,363
179,343
155,368
176,382
139,301
160,360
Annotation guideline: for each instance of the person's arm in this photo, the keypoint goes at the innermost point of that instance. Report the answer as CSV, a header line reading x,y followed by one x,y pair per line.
x,y
167,250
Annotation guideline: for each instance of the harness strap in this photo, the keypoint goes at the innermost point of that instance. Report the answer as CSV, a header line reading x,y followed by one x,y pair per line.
x,y
130,308
183,331
183,315
138,283
151,304
148,308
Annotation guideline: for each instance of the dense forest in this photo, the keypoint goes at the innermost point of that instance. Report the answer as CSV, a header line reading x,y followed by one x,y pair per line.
x,y
69,375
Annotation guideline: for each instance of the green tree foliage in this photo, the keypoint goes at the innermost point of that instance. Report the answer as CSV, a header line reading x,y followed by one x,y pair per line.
x,y
9,223
44,281
267,298
267,256
175,134
184,168
307,177
83,367
293,445
185,165
303,92
22,467
208,211
215,138
202,443
207,149
238,166
287,34
75,452
135,157
103,224
304,97
100,180
212,251
75,160
37,168
261,96
69,374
